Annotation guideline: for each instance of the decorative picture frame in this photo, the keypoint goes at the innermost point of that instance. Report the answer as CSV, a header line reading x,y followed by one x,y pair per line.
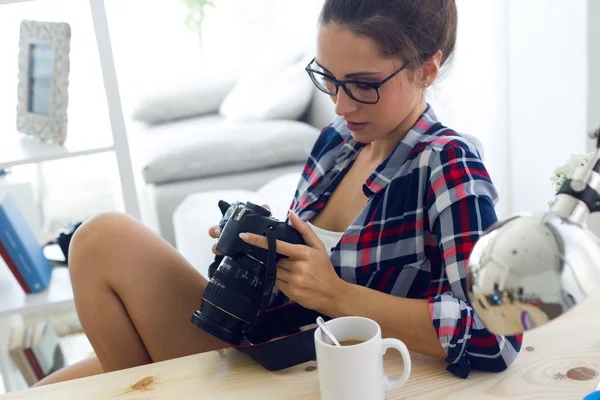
x,y
42,91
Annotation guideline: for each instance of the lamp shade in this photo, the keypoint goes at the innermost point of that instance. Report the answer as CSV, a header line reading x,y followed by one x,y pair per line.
x,y
530,269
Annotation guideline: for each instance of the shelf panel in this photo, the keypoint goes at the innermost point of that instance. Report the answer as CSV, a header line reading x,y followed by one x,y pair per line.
x,y
2,2
13,300
18,149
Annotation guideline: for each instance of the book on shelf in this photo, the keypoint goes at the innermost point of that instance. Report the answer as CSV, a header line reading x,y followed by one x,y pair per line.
x,y
36,351
21,250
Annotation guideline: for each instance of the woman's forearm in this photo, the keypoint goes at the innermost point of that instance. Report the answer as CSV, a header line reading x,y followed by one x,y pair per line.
x,y
406,319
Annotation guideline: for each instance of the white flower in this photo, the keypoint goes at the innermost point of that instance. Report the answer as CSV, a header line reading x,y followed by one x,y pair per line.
x,y
565,171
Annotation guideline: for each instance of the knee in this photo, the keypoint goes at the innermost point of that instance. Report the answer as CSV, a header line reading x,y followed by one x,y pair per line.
x,y
93,240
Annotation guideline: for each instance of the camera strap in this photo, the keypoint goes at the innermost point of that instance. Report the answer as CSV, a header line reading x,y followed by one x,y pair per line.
x,y
270,277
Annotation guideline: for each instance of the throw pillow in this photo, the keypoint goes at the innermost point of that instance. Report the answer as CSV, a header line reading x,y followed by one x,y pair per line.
x,y
276,88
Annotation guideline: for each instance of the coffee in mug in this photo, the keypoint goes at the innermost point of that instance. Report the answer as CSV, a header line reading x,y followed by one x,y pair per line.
x,y
351,342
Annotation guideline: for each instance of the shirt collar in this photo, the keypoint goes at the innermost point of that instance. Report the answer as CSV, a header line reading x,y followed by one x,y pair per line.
x,y
384,173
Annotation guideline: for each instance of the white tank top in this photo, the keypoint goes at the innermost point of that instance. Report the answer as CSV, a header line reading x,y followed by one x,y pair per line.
x,y
329,238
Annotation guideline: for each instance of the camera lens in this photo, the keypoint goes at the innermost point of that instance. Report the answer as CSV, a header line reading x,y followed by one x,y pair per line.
x,y
231,299
218,323
238,294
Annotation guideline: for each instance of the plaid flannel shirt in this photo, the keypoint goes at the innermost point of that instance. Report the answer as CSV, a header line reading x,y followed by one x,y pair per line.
x,y
429,202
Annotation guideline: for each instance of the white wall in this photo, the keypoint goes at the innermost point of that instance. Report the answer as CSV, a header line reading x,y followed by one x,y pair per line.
x,y
295,19
547,84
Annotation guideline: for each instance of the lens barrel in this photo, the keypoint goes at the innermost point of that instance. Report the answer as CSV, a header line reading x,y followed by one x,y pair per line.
x,y
231,299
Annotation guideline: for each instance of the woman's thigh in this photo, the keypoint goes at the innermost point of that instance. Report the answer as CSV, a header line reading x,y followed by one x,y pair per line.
x,y
158,288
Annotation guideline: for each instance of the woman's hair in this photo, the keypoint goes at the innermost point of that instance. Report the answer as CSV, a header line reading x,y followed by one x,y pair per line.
x,y
412,30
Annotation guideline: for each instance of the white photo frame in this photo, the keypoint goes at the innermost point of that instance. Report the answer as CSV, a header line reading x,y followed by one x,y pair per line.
x,y
42,91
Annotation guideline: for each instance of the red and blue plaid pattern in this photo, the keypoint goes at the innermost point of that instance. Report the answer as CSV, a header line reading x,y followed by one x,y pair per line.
x,y
429,202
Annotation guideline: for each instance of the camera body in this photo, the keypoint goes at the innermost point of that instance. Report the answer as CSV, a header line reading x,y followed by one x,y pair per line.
x,y
242,280
252,218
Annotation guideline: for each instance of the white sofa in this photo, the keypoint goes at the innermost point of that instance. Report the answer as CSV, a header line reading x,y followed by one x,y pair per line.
x,y
217,132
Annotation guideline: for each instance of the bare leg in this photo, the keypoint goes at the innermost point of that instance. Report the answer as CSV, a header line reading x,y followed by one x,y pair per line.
x,y
88,367
134,295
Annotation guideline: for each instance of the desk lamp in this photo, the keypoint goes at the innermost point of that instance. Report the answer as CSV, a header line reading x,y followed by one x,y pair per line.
x,y
529,269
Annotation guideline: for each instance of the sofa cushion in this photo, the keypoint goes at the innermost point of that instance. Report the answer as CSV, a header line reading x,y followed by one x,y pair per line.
x,y
273,85
210,146
183,97
283,95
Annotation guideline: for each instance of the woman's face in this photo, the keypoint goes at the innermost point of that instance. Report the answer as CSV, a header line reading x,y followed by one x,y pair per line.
x,y
346,56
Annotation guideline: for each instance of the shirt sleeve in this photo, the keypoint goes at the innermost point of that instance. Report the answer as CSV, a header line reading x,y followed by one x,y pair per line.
x,y
460,207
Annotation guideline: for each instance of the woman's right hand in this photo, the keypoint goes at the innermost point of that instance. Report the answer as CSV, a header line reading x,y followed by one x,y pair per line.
x,y
215,231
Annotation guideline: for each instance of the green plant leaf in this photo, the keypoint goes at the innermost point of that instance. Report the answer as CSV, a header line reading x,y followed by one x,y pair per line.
x,y
196,12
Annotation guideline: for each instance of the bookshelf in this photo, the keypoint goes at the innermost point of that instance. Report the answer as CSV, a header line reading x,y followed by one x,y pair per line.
x,y
18,150
14,301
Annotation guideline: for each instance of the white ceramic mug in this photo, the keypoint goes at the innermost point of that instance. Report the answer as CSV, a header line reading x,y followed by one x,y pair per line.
x,y
356,372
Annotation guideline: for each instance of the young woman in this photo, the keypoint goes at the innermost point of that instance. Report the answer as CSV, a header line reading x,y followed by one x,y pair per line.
x,y
390,205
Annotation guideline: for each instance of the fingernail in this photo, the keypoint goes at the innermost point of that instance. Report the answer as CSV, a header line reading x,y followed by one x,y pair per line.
x,y
218,231
244,236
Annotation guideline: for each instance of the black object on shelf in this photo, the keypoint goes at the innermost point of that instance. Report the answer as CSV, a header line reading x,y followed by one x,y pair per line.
x,y
62,240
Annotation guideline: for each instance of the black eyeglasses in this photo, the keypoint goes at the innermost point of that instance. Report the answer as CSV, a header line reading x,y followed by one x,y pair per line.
x,y
363,92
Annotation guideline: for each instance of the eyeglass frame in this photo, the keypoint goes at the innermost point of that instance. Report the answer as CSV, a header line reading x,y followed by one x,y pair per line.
x,y
374,85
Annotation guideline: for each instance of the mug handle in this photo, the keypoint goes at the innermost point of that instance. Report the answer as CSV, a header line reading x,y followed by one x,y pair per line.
x,y
401,347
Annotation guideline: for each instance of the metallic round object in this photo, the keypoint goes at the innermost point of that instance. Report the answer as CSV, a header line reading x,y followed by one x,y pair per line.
x,y
528,270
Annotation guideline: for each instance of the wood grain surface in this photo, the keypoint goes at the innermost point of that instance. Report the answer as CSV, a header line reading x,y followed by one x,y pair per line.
x,y
560,360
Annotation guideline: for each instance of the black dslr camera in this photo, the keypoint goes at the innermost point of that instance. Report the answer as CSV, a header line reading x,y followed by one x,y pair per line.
x,y
240,288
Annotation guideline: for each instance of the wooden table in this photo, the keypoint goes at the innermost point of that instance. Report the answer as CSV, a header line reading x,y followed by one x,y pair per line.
x,y
543,370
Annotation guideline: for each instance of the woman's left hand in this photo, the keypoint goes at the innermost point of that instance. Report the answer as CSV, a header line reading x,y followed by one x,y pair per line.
x,y
307,275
